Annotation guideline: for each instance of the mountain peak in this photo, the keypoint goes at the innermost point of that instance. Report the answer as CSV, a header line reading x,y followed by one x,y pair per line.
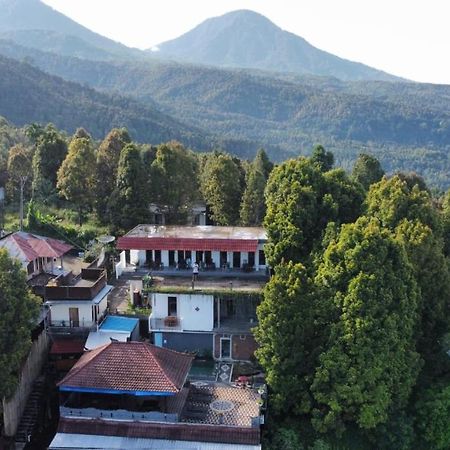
x,y
247,39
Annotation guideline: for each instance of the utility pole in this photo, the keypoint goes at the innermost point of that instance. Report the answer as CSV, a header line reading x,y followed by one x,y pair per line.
x,y
23,180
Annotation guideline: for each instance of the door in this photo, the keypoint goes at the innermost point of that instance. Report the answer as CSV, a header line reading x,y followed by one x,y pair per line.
x,y
158,339
225,348
172,306
74,317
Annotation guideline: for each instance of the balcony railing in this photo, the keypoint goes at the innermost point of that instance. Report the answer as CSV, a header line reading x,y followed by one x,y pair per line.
x,y
118,414
166,323
73,324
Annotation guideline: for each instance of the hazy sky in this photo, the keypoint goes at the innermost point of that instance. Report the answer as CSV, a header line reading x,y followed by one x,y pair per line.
x,y
406,38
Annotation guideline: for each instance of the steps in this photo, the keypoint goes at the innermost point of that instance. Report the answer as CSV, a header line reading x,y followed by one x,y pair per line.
x,y
30,416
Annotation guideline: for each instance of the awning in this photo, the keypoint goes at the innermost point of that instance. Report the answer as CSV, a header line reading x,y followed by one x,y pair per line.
x,y
222,245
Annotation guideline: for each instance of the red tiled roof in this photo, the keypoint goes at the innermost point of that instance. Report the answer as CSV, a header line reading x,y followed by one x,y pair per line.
x,y
176,431
171,243
66,347
130,366
30,246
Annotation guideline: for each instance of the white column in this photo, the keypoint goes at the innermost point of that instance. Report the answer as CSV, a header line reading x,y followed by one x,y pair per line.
x,y
244,258
193,257
257,259
215,256
230,259
165,258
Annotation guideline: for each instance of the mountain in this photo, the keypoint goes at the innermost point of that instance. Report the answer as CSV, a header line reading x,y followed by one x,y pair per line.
x,y
247,39
34,24
29,95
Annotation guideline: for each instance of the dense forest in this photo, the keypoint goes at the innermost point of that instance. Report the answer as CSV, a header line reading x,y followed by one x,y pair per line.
x,y
405,125
354,325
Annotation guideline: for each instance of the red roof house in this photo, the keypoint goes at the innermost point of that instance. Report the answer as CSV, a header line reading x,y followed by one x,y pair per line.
x,y
132,368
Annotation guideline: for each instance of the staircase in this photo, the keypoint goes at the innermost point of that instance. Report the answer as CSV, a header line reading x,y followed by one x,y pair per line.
x,y
30,416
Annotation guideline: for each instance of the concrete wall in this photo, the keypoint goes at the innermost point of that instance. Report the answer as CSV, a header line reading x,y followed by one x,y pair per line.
x,y
195,311
201,342
243,346
120,266
14,407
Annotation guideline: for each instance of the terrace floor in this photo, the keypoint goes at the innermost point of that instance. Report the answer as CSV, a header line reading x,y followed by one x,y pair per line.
x,y
239,405
211,283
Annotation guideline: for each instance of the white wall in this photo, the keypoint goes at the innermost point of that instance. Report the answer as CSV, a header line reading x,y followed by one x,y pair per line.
x,y
120,266
60,311
187,305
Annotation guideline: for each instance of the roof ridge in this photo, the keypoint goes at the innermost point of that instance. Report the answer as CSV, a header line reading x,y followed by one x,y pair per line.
x,y
158,363
93,353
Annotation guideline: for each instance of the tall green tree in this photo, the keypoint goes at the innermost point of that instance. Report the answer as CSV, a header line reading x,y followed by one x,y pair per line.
x,y
253,207
370,364
322,158
367,170
392,199
301,200
129,203
433,417
220,186
290,335
18,313
445,220
108,155
51,150
76,176
19,170
174,181
431,271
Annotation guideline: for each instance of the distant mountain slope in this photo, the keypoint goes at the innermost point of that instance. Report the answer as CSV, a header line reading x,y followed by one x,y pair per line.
x,y
407,125
29,95
20,15
247,39
59,43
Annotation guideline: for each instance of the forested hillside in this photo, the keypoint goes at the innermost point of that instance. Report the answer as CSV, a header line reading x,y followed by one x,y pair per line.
x,y
406,125
29,95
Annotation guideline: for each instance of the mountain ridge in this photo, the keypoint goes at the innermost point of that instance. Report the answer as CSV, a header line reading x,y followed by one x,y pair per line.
x,y
247,39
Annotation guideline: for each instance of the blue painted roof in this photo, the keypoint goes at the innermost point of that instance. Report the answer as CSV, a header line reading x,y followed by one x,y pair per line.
x,y
116,323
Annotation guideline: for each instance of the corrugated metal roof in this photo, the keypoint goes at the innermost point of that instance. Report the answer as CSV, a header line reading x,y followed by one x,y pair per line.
x,y
199,244
97,339
85,441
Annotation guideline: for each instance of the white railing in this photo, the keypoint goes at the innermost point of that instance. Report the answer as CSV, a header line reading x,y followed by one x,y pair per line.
x,y
118,414
166,323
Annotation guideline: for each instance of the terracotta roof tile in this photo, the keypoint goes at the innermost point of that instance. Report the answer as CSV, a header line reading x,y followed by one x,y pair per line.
x,y
176,431
130,366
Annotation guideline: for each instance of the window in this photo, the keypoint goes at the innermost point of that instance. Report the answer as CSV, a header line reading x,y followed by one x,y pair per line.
x,y
171,306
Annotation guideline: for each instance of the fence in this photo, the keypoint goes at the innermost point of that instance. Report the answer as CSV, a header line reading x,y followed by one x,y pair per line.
x,y
118,414
14,407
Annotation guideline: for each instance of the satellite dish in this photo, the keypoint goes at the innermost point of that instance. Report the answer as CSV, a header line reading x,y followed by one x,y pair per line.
x,y
106,239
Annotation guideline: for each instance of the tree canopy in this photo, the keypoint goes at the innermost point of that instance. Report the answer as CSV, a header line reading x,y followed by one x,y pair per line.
x,y
76,176
18,312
